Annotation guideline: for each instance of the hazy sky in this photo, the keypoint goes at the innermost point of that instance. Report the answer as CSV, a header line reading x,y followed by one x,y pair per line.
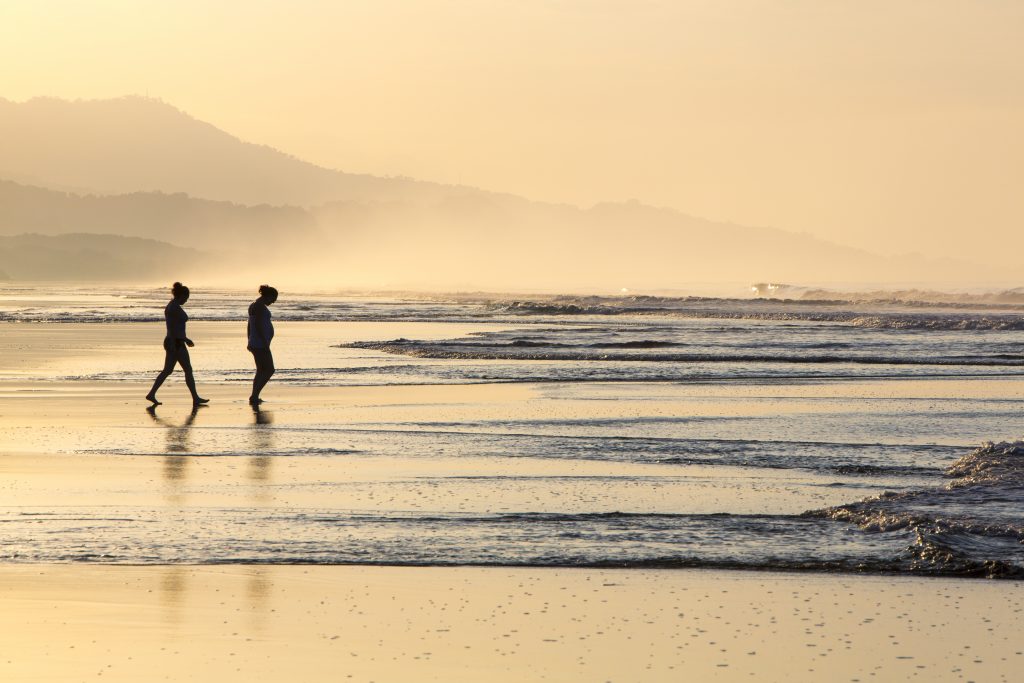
x,y
892,124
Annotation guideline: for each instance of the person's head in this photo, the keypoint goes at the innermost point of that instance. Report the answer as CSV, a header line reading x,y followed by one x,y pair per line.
x,y
179,292
268,294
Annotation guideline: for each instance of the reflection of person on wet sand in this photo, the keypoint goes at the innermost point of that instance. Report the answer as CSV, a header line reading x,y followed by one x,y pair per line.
x,y
262,417
177,442
261,332
263,441
176,345
177,435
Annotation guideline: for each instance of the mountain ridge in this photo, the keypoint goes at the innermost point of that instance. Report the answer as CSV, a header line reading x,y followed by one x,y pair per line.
x,y
77,257
141,124
161,173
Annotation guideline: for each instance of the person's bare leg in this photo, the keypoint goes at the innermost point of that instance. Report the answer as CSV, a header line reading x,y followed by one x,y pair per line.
x,y
151,396
169,361
190,380
257,387
258,382
264,371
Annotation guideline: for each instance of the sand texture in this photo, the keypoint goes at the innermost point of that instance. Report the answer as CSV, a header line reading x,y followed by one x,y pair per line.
x,y
392,624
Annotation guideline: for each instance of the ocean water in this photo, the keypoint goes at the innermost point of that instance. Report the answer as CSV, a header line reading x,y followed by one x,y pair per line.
x,y
659,432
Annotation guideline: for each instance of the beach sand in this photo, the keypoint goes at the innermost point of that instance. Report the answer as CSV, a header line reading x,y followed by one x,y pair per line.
x,y
90,444
293,623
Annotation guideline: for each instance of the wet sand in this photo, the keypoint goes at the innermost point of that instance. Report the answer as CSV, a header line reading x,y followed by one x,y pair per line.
x,y
311,623
92,444
87,444
278,623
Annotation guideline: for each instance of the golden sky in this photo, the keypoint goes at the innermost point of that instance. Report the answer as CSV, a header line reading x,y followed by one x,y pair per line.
x,y
896,125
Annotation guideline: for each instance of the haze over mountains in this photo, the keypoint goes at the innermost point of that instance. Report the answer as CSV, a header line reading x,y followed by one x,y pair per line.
x,y
78,257
139,168
136,144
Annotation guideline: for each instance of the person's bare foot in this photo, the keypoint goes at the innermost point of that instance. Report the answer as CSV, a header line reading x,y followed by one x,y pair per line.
x,y
200,401
255,400
152,399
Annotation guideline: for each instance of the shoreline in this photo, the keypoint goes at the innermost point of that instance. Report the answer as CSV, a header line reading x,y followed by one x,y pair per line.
x,y
88,472
323,468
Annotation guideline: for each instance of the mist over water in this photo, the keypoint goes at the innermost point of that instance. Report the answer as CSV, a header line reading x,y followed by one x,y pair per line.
x,y
150,192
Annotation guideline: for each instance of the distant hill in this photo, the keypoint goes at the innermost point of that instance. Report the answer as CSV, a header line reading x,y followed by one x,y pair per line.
x,y
458,242
138,144
470,243
78,257
155,172
176,219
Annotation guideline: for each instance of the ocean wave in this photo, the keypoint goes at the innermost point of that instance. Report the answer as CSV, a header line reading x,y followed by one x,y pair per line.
x,y
613,539
298,536
994,464
867,313
536,351
915,296
970,526
908,309
854,319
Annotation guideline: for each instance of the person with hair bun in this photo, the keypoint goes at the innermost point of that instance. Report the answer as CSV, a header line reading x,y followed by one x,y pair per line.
x,y
261,332
176,345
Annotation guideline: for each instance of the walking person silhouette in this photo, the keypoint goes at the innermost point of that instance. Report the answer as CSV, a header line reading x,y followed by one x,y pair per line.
x,y
176,345
261,332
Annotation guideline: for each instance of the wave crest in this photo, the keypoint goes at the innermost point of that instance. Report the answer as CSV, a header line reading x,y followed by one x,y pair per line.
x,y
772,309
914,296
971,526
992,464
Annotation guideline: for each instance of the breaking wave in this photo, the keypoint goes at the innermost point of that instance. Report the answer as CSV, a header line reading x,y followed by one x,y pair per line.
x,y
1006,297
554,351
762,309
902,309
972,526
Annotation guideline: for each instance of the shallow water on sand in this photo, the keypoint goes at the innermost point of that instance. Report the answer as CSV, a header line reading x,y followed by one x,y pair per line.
x,y
703,433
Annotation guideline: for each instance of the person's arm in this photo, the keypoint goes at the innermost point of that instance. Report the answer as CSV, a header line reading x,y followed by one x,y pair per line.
x,y
184,337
